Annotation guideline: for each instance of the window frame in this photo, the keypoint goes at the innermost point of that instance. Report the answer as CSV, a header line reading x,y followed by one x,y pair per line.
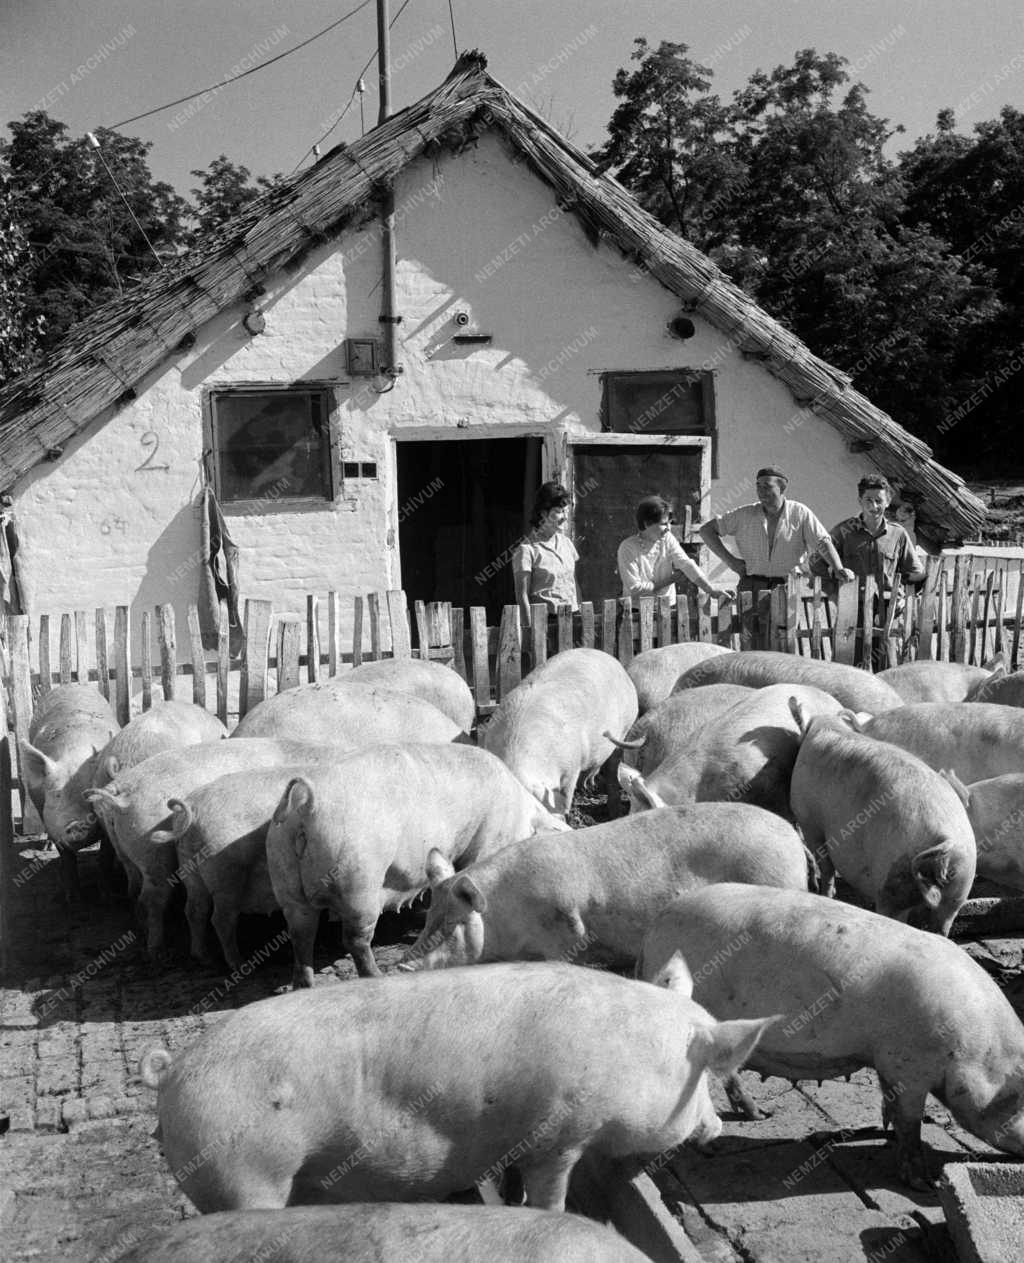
x,y
703,376
329,393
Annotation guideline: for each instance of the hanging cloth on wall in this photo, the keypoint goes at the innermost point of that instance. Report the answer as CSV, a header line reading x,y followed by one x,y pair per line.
x,y
219,574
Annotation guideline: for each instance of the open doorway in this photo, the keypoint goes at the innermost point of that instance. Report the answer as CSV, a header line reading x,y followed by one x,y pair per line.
x,y
463,505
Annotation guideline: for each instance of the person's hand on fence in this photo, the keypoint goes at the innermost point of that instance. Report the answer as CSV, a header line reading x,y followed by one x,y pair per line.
x,y
723,594
845,575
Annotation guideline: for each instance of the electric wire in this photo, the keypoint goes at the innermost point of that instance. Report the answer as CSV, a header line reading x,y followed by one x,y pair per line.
x,y
455,42
234,79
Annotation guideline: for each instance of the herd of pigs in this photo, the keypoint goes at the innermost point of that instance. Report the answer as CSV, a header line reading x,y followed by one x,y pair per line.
x,y
331,1121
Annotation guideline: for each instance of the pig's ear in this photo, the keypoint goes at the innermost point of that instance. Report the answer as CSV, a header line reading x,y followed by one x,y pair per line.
x,y
464,887
181,817
439,867
800,716
850,718
112,766
675,975
297,796
725,1046
640,793
932,871
35,766
962,791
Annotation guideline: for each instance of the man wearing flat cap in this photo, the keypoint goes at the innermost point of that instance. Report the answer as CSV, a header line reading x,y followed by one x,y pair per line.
x,y
771,537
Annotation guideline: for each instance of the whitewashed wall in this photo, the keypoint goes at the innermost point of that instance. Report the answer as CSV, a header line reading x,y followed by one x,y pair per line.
x,y
477,233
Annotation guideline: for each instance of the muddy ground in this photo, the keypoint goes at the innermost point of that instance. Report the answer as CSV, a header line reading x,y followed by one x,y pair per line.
x,y
82,1178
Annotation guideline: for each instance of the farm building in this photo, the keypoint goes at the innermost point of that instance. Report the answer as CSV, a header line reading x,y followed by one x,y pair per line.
x,y
371,410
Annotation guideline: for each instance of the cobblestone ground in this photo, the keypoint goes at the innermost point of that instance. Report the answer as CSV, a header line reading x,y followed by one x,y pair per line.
x,y
81,1177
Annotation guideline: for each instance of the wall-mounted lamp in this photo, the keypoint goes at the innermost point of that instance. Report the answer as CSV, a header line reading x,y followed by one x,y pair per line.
x,y
682,327
461,318
254,321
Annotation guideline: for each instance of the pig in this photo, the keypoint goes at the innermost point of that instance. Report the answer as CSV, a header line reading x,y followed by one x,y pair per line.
x,y
895,830
745,755
975,741
71,724
855,688
347,712
995,808
554,726
355,837
167,726
1001,688
926,681
421,1233
655,671
859,990
133,809
432,681
418,1086
670,726
219,832
590,895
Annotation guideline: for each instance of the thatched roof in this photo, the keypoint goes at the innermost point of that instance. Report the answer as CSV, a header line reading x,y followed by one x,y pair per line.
x,y
104,358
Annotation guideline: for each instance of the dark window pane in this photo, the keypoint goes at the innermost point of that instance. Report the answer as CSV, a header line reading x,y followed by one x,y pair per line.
x,y
274,445
654,403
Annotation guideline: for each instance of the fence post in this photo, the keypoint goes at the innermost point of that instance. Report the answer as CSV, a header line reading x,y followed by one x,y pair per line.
x,y
509,662
102,665
458,634
926,610
398,616
646,604
481,670
122,664
609,610
253,685
538,636
21,698
195,640
45,669
333,632
587,624
373,609
81,648
625,648
312,638
357,631
844,643
65,649
958,611
223,660
168,650
289,645
147,658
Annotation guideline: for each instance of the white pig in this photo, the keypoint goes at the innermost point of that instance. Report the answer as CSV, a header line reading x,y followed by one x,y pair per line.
x,y
71,724
668,728
975,741
654,672
881,818
355,837
418,1086
166,726
745,755
927,681
554,726
760,667
133,809
858,990
346,712
432,681
996,811
366,1231
590,895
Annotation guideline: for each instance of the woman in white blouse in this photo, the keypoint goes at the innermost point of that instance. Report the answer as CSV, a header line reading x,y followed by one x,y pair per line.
x,y
651,560
544,564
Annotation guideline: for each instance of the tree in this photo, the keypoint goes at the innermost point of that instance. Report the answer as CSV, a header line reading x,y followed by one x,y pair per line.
x,y
226,189
19,333
86,247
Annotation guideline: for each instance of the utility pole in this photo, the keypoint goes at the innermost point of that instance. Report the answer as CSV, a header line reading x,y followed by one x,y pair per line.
x,y
388,318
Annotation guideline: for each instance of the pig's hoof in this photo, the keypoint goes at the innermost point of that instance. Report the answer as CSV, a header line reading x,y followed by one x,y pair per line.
x,y
741,1101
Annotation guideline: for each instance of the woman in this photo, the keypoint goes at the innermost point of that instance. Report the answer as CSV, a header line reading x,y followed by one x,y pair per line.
x,y
904,512
544,565
651,560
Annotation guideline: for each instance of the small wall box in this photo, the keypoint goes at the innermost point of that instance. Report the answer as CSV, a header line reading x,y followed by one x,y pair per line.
x,y
362,356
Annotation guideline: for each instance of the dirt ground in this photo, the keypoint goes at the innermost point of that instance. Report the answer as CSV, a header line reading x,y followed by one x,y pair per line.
x,y
83,1179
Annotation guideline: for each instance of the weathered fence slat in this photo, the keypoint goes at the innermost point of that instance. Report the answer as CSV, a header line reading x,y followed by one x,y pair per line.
x,y
983,653
45,667
723,624
960,606
422,629
357,631
538,635
481,670
253,684
646,606
844,642
609,611
926,612
168,650
975,608
6,839
664,621
683,617
312,638
198,655
564,628
1015,651
65,649
223,660
333,632
289,646
122,664
373,613
817,646
703,617
867,610
147,660
625,652
440,645
510,657
21,700
459,641
102,667
942,619
587,624
784,604
81,647
398,615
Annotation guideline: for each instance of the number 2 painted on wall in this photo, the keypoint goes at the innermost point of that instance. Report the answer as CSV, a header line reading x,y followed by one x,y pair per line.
x,y
150,439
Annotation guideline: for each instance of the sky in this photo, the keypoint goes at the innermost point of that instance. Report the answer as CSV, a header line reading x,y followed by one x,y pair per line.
x,y
98,62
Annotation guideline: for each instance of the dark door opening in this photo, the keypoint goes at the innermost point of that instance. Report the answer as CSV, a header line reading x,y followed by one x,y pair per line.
x,y
463,505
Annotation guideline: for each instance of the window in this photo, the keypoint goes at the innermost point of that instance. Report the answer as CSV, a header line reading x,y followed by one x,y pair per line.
x,y
271,444
674,401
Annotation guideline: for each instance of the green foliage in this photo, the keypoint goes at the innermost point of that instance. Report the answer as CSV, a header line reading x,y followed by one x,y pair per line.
x,y
19,332
226,189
